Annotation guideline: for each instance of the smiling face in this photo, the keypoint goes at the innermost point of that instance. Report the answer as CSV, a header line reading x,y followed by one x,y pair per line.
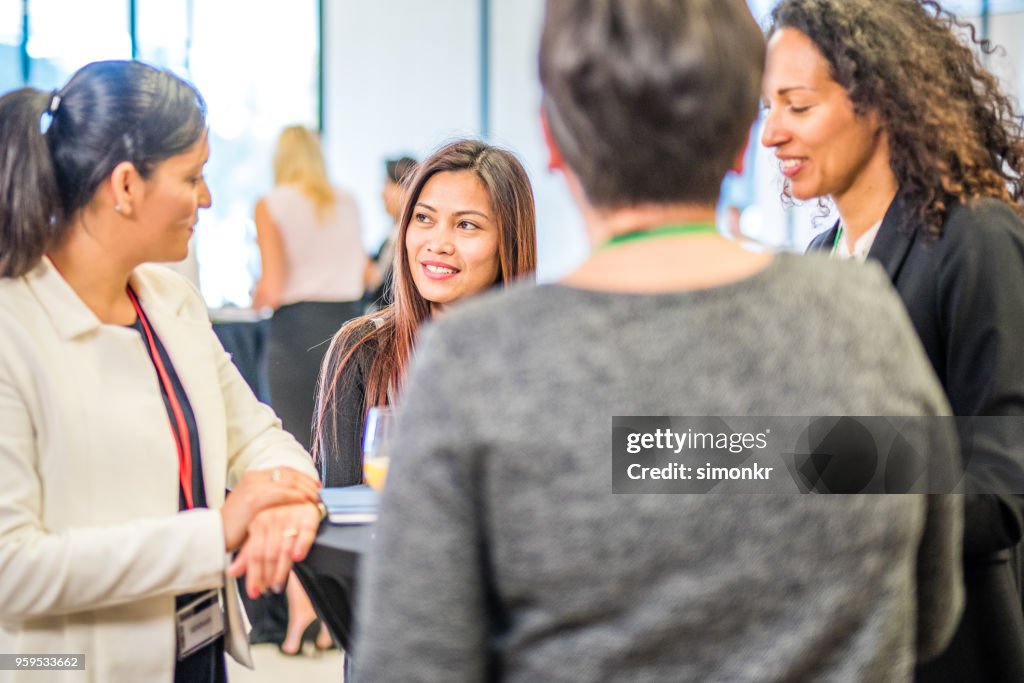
x,y
452,239
824,147
169,209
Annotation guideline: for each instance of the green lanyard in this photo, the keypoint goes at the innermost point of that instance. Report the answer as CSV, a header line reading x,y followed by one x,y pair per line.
x,y
835,244
661,231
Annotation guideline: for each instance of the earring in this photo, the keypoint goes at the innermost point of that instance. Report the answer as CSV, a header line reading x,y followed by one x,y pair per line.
x,y
117,208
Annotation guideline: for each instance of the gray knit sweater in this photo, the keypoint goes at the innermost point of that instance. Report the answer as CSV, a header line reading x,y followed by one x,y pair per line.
x,y
502,553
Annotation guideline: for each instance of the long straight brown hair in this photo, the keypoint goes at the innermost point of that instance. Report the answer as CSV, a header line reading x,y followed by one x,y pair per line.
x,y
392,331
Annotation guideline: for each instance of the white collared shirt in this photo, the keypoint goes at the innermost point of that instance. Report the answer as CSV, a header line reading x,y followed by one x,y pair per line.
x,y
860,248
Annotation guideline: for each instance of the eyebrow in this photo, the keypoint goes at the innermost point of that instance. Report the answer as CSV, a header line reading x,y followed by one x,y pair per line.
x,y
788,89
428,207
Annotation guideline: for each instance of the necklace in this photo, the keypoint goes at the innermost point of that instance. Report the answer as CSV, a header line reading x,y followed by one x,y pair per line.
x,y
660,231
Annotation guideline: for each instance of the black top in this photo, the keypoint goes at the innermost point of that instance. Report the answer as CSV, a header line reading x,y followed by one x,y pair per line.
x,y
341,453
964,294
198,486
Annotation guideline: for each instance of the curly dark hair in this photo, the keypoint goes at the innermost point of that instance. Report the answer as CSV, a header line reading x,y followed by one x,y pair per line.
x,y
954,136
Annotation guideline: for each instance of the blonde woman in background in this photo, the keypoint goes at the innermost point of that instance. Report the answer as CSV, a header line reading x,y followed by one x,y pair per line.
x,y
314,273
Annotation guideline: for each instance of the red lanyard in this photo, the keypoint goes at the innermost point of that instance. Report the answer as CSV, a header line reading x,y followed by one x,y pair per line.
x,y
179,428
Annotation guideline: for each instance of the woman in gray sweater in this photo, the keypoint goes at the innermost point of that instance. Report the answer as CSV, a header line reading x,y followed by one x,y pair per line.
x,y
502,553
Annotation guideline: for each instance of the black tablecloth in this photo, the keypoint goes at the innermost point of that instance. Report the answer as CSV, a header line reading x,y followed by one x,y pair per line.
x,y
329,576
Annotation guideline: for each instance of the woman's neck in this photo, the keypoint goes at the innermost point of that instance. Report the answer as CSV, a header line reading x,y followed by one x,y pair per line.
x,y
867,199
99,279
604,225
668,263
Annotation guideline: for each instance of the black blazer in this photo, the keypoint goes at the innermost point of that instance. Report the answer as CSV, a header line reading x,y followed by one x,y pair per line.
x,y
964,294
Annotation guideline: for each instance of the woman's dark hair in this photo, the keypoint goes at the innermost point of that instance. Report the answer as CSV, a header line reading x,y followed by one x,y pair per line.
x,y
953,134
650,101
391,332
398,169
107,113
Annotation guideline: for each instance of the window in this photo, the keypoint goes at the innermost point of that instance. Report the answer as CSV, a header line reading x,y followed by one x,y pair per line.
x,y
10,44
64,36
257,77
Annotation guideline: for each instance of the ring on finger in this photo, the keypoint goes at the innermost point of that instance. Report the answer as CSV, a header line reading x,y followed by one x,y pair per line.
x,y
290,533
275,475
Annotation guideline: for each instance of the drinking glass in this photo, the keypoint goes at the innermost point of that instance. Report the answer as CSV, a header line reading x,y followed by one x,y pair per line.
x,y
379,422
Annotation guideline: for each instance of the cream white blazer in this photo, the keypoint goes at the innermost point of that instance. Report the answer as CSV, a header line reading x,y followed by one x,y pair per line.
x,y
92,546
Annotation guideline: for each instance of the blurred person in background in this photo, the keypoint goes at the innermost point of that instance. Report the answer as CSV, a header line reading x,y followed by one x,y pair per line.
x,y
501,552
396,170
124,420
886,109
314,274
314,271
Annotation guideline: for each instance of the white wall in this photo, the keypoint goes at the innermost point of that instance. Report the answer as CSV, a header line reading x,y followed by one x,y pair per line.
x,y
400,77
403,76
1007,31
515,123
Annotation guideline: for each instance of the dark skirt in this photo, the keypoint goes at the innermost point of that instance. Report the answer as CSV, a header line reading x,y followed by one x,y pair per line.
x,y
299,336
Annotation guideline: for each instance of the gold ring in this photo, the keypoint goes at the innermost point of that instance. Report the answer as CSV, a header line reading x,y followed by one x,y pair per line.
x,y
275,475
290,533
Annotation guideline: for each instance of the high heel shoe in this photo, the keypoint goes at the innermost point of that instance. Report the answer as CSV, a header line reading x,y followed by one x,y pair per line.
x,y
308,636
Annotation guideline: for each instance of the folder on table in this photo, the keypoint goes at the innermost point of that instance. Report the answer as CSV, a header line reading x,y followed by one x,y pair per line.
x,y
350,504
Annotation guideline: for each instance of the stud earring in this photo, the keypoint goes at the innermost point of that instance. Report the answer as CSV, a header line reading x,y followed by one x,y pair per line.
x,y
117,208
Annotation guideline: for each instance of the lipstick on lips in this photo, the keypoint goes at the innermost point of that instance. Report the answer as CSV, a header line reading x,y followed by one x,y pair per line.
x,y
436,270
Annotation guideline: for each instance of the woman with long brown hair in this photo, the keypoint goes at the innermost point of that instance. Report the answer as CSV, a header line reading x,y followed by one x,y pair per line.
x,y
468,224
884,109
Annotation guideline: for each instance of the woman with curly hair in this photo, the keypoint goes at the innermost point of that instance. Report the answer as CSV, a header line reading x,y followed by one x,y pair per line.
x,y
883,109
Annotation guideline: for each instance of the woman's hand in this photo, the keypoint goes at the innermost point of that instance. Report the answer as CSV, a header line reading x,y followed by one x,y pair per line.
x,y
264,296
277,538
259,490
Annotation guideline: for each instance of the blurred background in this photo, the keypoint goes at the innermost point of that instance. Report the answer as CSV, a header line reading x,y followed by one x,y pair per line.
x,y
379,79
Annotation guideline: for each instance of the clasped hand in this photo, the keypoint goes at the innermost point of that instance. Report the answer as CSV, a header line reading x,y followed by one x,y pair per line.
x,y
278,537
279,502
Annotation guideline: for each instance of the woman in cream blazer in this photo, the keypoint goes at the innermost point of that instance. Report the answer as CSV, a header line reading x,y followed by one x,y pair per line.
x,y
93,548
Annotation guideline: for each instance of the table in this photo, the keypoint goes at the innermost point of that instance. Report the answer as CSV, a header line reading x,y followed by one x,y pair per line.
x,y
329,576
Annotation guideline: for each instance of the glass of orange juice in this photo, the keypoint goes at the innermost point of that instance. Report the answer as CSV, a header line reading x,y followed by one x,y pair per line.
x,y
376,434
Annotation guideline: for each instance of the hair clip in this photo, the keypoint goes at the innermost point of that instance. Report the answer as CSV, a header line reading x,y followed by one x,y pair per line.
x,y
46,120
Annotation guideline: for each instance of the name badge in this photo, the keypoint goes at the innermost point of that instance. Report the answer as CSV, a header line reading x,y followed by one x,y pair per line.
x,y
200,622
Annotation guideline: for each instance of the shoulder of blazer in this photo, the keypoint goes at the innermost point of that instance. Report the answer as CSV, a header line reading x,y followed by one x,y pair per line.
x,y
982,225
823,241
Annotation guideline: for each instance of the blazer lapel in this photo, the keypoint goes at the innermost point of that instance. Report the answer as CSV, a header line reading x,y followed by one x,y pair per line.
x,y
897,233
